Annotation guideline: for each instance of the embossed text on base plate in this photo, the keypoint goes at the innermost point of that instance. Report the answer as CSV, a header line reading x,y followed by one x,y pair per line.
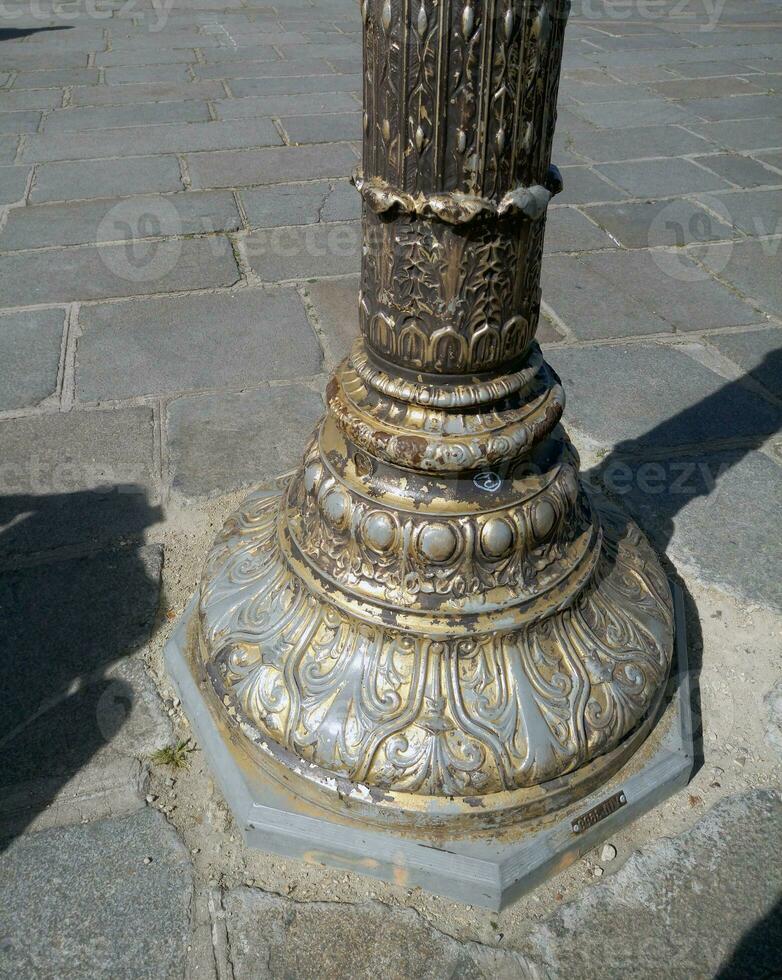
x,y
598,813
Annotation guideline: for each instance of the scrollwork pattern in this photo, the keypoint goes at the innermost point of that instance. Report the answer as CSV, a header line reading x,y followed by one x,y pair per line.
x,y
474,714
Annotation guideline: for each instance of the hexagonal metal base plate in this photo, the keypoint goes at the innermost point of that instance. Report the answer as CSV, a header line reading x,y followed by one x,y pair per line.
x,y
487,869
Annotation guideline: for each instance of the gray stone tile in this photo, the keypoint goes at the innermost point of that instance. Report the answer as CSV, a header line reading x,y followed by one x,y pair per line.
x,y
583,185
96,95
335,304
255,52
325,128
607,91
758,352
140,74
706,88
736,107
710,515
638,143
276,165
13,184
645,224
109,220
26,60
660,178
56,77
624,294
19,122
317,84
619,115
773,159
286,105
37,98
337,940
105,178
349,51
141,140
709,69
61,275
145,114
90,885
243,68
660,398
77,479
8,146
29,357
304,252
752,267
743,134
342,204
740,170
733,929
301,204
164,346
567,230
148,56
756,212
568,123
221,442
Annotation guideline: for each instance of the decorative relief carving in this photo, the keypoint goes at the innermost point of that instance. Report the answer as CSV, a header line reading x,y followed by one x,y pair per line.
x,y
469,715
448,301
501,556
431,607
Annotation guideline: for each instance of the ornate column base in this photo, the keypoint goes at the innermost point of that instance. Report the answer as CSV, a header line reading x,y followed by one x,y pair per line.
x,y
283,806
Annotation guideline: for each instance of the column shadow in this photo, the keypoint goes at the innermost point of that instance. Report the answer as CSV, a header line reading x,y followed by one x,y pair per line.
x,y
759,952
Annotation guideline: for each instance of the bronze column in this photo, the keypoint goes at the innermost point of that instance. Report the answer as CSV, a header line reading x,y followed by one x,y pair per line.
x,y
432,622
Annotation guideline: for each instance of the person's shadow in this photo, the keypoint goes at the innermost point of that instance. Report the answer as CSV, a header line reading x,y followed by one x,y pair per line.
x,y
70,613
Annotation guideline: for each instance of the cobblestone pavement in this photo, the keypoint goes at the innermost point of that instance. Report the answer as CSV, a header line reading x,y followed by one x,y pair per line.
x,y
178,259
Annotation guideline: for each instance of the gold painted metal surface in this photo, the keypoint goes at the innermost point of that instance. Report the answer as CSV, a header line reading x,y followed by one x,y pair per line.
x,y
432,618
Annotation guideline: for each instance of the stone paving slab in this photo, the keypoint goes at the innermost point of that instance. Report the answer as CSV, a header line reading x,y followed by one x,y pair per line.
x,y
105,178
220,442
73,478
658,396
270,166
751,351
30,346
169,138
637,293
94,273
108,900
166,346
111,220
751,267
325,249
677,222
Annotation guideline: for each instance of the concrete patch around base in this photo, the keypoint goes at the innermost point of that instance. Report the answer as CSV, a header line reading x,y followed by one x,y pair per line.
x,y
489,870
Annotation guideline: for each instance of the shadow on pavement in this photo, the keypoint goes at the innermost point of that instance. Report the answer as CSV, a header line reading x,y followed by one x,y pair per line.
x,y
14,33
67,616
